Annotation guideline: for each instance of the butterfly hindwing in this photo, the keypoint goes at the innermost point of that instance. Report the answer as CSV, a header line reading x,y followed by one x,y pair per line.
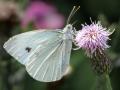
x,y
50,61
22,45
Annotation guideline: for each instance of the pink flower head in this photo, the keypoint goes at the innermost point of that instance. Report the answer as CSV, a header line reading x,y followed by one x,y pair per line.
x,y
92,37
42,15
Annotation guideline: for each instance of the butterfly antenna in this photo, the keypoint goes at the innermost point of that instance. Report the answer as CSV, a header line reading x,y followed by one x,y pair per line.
x,y
74,22
71,14
74,10
91,20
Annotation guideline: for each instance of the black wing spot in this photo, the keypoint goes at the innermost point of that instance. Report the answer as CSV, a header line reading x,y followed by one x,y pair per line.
x,y
28,49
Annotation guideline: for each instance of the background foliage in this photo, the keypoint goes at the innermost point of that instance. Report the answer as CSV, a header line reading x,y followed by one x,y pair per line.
x,y
13,75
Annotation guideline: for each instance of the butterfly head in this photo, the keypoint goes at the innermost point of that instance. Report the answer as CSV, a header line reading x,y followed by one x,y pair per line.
x,y
68,28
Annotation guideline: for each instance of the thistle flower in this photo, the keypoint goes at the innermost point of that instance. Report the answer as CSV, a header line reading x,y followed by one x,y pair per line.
x,y
92,37
42,15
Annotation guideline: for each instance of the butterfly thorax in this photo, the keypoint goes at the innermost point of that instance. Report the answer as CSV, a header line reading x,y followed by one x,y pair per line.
x,y
68,32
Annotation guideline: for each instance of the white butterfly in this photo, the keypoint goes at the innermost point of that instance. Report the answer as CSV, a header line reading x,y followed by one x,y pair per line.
x,y
45,53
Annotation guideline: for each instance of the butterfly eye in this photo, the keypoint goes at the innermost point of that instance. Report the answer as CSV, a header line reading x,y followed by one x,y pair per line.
x,y
28,49
69,27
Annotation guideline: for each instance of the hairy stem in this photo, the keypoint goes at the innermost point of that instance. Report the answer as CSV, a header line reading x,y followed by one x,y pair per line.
x,y
102,83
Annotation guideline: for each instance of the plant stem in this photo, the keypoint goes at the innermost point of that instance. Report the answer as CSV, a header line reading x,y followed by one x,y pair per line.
x,y
102,83
108,82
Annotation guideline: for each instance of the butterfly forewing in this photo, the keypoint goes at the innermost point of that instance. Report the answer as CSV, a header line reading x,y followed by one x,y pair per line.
x,y
22,45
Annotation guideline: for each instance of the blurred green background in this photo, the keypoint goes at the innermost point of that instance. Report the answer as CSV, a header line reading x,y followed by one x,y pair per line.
x,y
13,75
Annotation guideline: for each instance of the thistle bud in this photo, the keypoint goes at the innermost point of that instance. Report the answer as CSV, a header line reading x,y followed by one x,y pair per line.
x,y
100,63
